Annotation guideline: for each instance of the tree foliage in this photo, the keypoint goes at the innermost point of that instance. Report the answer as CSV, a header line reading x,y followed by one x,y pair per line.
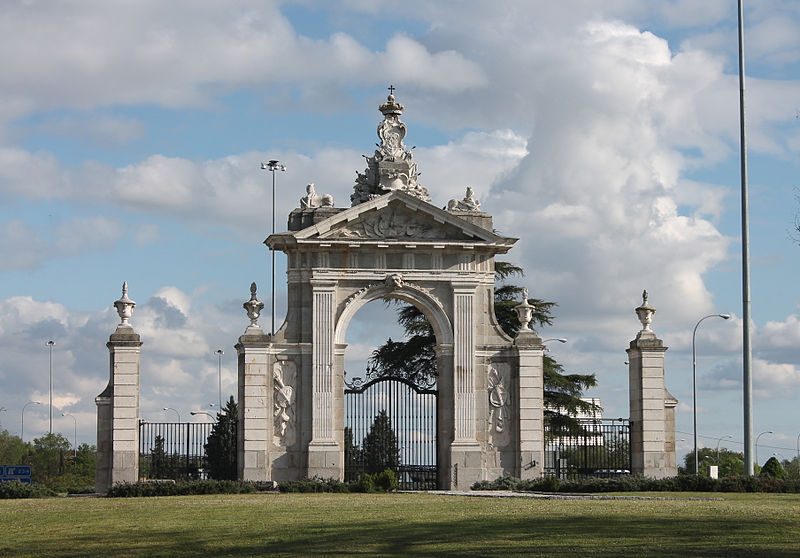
x,y
380,447
13,450
773,468
730,463
221,444
415,358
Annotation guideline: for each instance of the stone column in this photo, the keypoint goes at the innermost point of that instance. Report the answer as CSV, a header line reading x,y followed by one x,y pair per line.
x,y
325,459
118,405
531,394
254,397
648,401
465,451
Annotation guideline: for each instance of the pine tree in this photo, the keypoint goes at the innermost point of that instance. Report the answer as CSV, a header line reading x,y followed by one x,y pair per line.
x,y
415,359
380,446
158,459
221,444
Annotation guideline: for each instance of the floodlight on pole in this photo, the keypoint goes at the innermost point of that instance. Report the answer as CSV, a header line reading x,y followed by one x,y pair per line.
x,y
219,352
747,352
273,166
74,432
694,383
174,411
22,424
50,345
757,437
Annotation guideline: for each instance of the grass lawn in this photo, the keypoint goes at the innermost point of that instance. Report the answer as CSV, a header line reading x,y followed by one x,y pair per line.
x,y
400,525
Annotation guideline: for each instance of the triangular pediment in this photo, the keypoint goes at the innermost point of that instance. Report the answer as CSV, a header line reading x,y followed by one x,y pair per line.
x,y
401,218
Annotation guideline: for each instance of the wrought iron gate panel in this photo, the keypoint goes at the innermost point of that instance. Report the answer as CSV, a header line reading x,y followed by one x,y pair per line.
x,y
602,450
184,454
411,410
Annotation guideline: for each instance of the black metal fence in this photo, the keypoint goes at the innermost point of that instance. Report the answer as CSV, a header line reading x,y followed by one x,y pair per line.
x,y
603,449
172,450
391,423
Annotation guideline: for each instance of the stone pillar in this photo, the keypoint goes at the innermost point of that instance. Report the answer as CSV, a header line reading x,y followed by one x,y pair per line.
x,y
254,431
118,405
325,459
531,394
466,457
648,402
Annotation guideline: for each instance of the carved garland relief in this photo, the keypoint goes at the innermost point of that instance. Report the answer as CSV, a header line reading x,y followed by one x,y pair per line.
x,y
284,375
499,404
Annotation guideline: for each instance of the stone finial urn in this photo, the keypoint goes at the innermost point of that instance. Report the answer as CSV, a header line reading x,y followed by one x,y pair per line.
x,y
645,313
124,306
253,307
524,310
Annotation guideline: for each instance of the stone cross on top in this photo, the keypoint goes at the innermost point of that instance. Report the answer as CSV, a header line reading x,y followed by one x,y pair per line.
x,y
391,89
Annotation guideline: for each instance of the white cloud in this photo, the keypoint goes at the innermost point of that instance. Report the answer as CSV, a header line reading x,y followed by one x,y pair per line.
x,y
100,131
91,233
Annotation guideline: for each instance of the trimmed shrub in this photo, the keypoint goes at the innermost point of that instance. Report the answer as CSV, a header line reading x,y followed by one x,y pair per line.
x,y
365,483
386,481
15,489
185,488
313,485
630,483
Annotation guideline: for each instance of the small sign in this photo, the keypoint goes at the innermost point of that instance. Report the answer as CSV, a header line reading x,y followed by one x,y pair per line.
x,y
22,473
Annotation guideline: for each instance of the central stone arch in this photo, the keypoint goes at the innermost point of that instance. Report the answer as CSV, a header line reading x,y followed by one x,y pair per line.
x,y
391,243
428,304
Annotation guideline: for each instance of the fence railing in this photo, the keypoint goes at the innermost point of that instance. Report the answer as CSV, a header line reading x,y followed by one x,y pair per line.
x,y
602,449
172,450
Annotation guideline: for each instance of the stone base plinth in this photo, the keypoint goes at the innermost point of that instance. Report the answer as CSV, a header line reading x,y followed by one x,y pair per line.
x,y
466,468
325,460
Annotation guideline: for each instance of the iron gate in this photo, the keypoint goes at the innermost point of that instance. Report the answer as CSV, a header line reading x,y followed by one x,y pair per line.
x,y
602,449
390,423
172,450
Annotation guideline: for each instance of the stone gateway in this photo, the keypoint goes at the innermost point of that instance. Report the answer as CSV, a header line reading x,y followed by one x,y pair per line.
x,y
392,243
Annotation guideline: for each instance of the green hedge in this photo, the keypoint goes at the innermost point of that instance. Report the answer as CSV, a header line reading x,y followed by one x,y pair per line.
x,y
185,488
379,482
681,483
16,489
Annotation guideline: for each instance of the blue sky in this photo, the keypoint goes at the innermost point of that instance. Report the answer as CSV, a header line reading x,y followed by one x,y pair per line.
x,y
603,135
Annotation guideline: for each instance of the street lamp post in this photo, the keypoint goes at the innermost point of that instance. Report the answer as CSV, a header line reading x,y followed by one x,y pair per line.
x,y
74,432
694,384
174,411
798,449
50,344
718,441
195,413
273,166
219,352
757,437
22,426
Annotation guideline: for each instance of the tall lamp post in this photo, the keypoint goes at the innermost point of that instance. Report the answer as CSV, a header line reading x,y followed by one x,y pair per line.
x,y
174,411
50,345
694,383
195,413
757,437
273,166
219,352
718,441
798,449
22,427
74,432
